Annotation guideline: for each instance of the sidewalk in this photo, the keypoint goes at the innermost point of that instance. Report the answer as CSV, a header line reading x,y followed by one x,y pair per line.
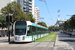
x,y
1,38
60,43
4,40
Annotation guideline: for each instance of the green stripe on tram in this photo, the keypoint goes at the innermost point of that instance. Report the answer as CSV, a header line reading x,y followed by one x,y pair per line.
x,y
33,25
39,26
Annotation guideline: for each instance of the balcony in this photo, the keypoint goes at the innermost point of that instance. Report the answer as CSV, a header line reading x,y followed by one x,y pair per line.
x,y
27,4
30,4
24,3
30,1
24,0
25,10
30,10
26,7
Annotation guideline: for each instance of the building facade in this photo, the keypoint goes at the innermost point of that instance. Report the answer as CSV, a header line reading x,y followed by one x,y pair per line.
x,y
27,6
36,14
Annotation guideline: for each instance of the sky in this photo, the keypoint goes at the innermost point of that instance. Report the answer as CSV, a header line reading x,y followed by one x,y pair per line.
x,y
66,7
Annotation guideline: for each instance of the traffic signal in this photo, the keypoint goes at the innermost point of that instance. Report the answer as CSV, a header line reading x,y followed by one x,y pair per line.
x,y
9,18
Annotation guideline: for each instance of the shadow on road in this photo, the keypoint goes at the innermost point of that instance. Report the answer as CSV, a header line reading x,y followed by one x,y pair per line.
x,y
67,40
12,42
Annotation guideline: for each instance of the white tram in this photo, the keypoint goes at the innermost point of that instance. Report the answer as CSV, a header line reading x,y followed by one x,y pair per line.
x,y
25,31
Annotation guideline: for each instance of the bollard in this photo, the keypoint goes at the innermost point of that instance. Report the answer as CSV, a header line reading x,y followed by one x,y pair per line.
x,y
34,40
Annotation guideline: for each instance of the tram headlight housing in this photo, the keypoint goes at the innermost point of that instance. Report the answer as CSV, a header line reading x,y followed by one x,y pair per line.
x,y
15,38
23,37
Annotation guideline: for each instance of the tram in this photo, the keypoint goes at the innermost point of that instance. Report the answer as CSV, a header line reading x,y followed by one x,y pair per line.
x,y
26,31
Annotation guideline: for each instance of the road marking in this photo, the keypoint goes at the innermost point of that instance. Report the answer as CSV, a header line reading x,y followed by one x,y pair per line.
x,y
69,47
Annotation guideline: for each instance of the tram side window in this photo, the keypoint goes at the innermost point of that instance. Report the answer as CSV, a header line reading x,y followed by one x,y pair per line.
x,y
28,30
38,30
42,31
33,30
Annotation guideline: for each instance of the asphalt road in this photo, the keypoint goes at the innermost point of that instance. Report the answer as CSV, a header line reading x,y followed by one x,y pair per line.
x,y
25,46
40,45
66,38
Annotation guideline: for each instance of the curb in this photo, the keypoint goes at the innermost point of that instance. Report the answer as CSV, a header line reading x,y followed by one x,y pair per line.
x,y
56,41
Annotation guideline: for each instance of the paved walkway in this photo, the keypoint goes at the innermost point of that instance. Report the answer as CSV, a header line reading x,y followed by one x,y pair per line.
x,y
4,40
1,38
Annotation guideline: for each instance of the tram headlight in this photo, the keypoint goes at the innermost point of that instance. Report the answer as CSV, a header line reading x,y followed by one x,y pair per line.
x,y
15,38
23,37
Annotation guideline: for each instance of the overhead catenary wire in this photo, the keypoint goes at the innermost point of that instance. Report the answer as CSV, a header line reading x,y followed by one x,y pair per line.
x,y
47,8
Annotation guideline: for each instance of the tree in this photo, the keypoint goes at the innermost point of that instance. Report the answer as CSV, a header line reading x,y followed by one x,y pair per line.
x,y
66,24
52,28
15,9
43,24
72,21
30,17
3,22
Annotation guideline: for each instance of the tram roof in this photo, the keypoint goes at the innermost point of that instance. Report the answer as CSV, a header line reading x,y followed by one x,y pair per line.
x,y
36,25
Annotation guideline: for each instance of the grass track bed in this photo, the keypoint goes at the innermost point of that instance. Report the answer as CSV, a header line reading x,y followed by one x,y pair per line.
x,y
47,38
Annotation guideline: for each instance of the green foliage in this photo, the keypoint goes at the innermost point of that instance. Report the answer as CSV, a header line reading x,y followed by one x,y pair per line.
x,y
72,21
3,22
52,28
11,8
30,17
54,39
15,9
66,24
43,24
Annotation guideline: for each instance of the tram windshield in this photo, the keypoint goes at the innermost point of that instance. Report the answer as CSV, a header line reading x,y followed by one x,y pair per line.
x,y
20,28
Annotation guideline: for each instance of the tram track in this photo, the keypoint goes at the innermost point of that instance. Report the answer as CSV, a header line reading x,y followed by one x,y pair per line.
x,y
50,42
37,44
41,42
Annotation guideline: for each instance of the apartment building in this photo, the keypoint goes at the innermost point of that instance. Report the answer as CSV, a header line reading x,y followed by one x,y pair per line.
x,y
36,14
27,6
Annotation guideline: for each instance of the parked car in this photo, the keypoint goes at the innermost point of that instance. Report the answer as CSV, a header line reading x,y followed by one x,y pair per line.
x,y
69,31
73,33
